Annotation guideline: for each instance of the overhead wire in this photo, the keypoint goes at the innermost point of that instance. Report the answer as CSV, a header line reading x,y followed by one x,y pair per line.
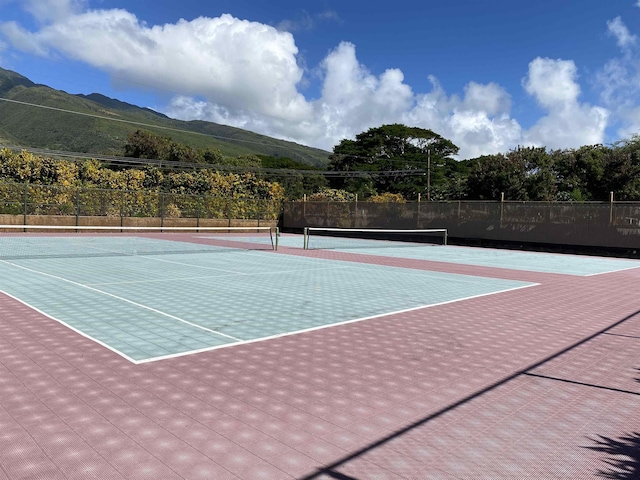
x,y
190,165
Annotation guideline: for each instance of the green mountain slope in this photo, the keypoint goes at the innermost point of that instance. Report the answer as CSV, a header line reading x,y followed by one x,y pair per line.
x,y
101,124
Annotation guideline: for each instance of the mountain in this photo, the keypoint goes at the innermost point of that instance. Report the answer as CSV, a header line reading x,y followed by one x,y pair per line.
x,y
100,125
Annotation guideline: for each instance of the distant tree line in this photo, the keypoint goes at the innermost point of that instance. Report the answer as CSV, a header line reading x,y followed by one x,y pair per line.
x,y
410,161
391,163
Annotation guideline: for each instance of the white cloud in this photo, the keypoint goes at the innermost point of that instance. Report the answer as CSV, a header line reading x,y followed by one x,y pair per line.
x,y
619,30
353,99
54,10
248,74
18,36
479,123
236,63
568,123
552,82
619,85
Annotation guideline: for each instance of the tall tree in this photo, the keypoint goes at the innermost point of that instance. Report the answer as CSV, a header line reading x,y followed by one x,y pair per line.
x,y
622,171
395,157
492,175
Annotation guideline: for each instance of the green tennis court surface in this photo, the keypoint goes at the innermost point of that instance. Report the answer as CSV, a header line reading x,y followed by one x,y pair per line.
x,y
156,305
486,257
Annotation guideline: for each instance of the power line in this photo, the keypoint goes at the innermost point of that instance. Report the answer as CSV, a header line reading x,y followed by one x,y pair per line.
x,y
175,165
405,171
131,122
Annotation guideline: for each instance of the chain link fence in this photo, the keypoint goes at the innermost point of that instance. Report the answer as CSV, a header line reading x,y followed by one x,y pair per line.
x,y
26,201
591,224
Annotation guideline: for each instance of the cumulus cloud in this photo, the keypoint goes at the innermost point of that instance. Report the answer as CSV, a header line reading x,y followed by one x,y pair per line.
x,y
479,122
236,63
249,75
54,10
569,123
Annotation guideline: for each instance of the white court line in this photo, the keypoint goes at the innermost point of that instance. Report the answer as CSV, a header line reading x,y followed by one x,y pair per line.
x,y
329,325
148,257
80,332
611,271
279,335
139,305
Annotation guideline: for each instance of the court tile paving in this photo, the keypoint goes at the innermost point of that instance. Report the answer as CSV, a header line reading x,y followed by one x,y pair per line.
x,y
581,265
538,382
153,306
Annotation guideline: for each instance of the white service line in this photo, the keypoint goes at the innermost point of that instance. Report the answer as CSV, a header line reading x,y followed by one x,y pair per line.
x,y
131,302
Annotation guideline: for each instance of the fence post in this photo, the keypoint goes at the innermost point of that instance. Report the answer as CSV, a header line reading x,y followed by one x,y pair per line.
x,y
501,207
122,199
354,224
77,206
25,208
259,200
198,200
611,208
161,210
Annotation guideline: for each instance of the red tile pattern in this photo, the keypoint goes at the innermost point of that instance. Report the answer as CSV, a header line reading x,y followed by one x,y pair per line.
x,y
534,383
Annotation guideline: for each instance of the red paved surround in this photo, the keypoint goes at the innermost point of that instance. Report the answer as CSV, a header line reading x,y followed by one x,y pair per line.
x,y
443,392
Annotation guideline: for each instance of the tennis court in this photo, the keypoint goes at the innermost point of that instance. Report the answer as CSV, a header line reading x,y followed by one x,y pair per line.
x,y
156,297
378,361
485,257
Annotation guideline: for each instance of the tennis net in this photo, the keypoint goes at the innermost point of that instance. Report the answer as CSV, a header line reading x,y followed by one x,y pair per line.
x,y
48,241
351,238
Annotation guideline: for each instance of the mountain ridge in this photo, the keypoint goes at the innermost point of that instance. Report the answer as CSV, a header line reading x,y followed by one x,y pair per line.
x,y
82,123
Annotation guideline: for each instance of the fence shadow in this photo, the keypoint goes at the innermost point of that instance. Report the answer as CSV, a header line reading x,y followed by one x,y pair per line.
x,y
620,468
624,453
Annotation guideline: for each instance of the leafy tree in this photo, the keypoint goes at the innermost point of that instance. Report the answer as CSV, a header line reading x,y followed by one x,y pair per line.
x,y
622,171
491,175
541,175
581,173
396,156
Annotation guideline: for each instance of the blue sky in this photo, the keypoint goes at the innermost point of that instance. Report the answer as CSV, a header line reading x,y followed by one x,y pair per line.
x,y
488,74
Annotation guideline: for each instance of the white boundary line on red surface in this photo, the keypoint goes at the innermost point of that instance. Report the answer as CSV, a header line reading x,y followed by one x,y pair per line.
x,y
612,271
125,356
237,340
320,327
131,302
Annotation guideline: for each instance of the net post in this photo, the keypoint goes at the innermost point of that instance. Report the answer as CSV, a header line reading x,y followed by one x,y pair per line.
x,y
305,241
445,237
277,237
